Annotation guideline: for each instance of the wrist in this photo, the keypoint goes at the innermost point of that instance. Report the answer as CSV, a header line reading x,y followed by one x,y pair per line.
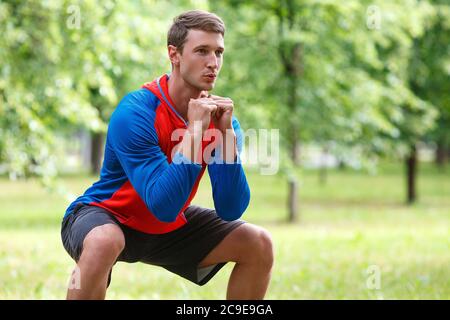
x,y
191,144
195,129
227,131
229,146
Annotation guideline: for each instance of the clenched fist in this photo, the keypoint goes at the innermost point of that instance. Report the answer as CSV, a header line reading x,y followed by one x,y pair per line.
x,y
199,112
223,117
223,120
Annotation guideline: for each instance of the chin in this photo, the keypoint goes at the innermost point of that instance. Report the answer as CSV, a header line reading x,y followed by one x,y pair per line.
x,y
202,85
208,86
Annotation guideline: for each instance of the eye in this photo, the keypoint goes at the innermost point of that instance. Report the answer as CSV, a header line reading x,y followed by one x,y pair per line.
x,y
202,51
219,53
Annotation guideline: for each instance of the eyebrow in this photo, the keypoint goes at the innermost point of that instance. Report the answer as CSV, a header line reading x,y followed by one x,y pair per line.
x,y
207,47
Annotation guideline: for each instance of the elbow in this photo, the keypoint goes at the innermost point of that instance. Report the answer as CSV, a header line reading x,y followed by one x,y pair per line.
x,y
162,212
163,207
229,215
234,209
166,218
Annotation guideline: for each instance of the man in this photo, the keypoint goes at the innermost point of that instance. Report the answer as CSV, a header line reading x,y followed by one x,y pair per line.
x,y
140,211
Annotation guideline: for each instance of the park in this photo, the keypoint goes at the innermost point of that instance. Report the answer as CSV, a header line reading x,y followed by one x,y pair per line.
x,y
342,126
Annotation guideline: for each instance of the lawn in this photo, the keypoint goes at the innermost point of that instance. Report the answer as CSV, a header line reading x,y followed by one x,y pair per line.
x,y
353,222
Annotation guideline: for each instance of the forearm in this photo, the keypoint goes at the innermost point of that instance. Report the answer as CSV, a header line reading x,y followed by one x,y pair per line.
x,y
229,153
170,191
231,192
226,149
191,145
167,195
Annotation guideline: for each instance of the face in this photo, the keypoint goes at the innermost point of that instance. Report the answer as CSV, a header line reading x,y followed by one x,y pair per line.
x,y
200,63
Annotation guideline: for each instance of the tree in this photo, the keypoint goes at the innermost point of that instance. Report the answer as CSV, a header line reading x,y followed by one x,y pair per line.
x,y
118,47
324,74
65,65
37,96
430,75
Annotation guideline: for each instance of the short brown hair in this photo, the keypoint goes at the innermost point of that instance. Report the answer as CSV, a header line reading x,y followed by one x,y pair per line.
x,y
193,19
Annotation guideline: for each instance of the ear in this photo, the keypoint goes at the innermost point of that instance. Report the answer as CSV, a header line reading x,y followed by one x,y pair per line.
x,y
173,55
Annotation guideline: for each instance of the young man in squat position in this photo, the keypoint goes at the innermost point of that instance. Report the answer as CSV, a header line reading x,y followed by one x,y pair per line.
x,y
140,211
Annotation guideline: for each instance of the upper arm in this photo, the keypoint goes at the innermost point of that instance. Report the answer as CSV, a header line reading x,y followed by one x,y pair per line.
x,y
134,140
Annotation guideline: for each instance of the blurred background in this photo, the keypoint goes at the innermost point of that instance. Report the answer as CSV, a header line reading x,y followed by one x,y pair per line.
x,y
360,91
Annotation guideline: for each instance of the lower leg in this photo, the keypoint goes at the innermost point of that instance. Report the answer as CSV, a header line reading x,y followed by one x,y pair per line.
x,y
248,282
88,281
252,250
101,247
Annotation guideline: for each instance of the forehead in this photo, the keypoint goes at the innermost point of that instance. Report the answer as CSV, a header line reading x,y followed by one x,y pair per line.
x,y
197,38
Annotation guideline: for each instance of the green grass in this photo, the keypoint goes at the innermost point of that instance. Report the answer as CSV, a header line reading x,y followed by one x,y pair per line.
x,y
354,221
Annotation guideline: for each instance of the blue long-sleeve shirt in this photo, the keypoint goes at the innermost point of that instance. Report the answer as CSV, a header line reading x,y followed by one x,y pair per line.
x,y
140,183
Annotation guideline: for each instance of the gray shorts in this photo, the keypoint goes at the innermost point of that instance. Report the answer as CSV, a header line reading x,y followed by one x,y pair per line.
x,y
179,251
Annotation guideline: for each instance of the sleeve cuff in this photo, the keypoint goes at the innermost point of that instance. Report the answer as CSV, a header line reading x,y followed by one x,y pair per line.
x,y
217,158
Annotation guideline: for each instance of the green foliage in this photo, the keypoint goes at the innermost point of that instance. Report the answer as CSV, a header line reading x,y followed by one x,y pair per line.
x,y
66,64
430,70
372,75
354,84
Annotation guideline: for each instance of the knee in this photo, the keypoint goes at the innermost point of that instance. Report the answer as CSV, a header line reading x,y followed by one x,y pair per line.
x,y
266,248
261,249
104,242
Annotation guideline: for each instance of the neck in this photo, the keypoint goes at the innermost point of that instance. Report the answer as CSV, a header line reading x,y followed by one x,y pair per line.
x,y
181,92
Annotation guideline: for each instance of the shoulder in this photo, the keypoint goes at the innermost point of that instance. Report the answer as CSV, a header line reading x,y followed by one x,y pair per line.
x,y
142,100
139,104
136,114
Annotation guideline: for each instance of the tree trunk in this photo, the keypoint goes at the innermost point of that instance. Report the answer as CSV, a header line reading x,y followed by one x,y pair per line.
x,y
292,200
295,153
96,152
411,174
293,133
293,184
293,70
291,57
441,154
293,188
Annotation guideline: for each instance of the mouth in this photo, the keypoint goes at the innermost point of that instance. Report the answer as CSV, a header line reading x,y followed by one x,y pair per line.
x,y
210,76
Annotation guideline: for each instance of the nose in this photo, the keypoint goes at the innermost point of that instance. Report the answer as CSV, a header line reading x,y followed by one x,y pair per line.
x,y
213,61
